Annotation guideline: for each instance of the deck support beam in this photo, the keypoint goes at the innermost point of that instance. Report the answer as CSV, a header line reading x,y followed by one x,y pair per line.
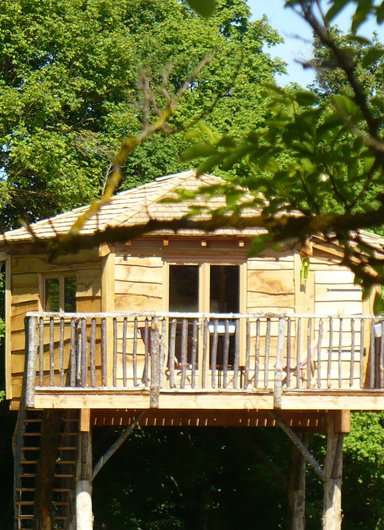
x,y
84,515
296,492
332,513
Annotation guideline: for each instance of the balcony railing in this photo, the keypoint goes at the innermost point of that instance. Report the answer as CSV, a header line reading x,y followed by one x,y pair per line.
x,y
196,352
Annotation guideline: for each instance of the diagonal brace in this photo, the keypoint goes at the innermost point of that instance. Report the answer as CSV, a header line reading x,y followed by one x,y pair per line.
x,y
116,445
307,455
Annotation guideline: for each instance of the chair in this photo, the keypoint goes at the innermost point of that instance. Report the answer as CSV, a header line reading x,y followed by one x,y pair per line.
x,y
175,373
302,368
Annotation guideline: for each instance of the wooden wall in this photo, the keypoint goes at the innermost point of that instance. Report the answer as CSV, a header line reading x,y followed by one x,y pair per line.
x,y
336,294
335,291
27,274
270,284
138,283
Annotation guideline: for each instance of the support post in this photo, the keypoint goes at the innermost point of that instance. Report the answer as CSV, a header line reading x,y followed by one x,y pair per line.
x,y
296,492
278,384
332,513
84,515
30,369
155,365
49,441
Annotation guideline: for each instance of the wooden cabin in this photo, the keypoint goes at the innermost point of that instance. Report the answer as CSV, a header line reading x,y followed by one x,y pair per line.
x,y
177,328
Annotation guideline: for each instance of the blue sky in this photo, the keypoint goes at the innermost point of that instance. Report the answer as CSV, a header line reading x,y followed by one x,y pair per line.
x,y
297,36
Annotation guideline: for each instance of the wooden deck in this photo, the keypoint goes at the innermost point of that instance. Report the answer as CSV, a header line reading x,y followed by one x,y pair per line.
x,y
195,361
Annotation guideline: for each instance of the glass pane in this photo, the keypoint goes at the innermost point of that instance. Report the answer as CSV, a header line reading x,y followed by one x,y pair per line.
x,y
224,289
224,298
184,288
70,295
52,294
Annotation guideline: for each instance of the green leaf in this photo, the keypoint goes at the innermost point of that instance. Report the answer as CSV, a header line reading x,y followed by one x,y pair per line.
x,y
380,13
359,39
345,104
306,98
259,244
208,164
378,304
335,9
369,160
204,8
198,150
226,141
371,56
361,14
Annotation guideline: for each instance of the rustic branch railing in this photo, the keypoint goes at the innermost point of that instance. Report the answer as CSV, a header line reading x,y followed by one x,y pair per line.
x,y
197,352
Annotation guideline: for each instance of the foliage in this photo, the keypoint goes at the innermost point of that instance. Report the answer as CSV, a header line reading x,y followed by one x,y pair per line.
x,y
365,55
192,478
363,472
79,77
319,155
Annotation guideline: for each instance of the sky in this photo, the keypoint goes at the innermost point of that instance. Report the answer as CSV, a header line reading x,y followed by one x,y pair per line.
x,y
297,36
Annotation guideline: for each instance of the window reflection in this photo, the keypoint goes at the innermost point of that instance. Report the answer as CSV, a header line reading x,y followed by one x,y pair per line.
x,y
69,294
52,294
60,294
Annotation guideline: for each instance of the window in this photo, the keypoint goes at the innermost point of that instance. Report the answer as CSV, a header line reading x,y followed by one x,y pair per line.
x,y
184,288
224,289
206,288
221,294
60,294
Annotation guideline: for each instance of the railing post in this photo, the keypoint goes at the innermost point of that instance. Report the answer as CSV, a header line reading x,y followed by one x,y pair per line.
x,y
30,372
155,365
278,385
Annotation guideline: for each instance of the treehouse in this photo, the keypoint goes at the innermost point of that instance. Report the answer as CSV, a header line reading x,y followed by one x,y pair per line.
x,y
176,327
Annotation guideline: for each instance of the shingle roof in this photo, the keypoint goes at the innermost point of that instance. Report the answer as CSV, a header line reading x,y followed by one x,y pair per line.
x,y
134,207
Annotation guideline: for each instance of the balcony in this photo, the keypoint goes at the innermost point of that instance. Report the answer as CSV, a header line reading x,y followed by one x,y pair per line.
x,y
204,361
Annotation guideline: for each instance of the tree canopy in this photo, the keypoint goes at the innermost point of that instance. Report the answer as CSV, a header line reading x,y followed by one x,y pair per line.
x,y
79,77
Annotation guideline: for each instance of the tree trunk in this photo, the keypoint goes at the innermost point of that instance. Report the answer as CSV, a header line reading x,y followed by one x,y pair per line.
x,y
332,514
49,441
296,493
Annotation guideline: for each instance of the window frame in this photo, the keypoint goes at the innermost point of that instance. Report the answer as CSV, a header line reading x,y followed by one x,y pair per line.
x,y
204,291
204,281
60,276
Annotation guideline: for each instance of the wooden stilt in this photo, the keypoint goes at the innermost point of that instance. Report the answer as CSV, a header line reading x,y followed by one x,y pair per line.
x,y
46,465
332,514
296,492
84,515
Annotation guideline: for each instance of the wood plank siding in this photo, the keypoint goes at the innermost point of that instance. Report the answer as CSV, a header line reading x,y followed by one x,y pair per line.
x,y
138,283
83,359
26,286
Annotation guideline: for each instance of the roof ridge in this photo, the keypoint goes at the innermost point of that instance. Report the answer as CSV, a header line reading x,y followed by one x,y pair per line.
x,y
160,192
136,205
79,209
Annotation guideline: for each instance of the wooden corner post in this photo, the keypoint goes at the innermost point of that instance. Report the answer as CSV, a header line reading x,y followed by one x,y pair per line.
x,y
332,513
108,305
